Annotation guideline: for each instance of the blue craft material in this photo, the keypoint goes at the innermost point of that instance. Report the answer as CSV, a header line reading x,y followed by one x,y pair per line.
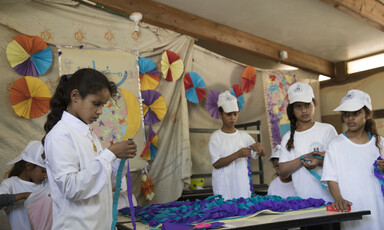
x,y
117,193
317,176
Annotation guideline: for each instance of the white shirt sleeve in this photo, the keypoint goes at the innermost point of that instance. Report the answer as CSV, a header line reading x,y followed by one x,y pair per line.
x,y
5,187
214,146
76,183
329,166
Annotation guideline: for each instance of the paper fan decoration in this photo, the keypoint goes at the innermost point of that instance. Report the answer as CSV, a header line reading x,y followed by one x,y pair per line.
x,y
150,149
29,55
154,107
194,87
120,120
237,91
30,97
149,75
171,66
211,103
249,79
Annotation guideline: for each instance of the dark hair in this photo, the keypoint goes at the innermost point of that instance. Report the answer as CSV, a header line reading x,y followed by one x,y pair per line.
x,y
293,120
370,127
86,81
221,110
18,168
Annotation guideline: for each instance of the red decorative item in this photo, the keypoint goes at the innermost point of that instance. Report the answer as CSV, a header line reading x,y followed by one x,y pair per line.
x,y
332,209
147,187
249,79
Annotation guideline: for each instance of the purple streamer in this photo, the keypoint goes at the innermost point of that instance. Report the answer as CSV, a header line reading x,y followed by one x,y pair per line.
x,y
379,174
129,193
215,208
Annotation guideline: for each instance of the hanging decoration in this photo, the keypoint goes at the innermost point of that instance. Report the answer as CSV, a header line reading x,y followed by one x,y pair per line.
x,y
150,149
211,103
194,87
29,55
171,66
237,91
30,97
146,185
154,107
249,79
149,75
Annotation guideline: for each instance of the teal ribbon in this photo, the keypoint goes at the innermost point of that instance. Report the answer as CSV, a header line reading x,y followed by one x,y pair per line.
x,y
316,175
117,193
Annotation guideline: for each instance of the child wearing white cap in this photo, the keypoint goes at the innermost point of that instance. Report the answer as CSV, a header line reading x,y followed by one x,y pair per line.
x,y
280,187
348,164
27,175
303,147
230,149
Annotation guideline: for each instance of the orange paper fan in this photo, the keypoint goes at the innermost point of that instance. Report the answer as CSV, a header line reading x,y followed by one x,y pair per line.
x,y
30,97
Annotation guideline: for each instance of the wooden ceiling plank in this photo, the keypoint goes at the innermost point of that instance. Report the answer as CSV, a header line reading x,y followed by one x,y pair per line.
x,y
368,11
182,22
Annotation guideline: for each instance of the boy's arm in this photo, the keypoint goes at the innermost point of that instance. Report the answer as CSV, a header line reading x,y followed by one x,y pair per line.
x,y
224,161
339,203
258,148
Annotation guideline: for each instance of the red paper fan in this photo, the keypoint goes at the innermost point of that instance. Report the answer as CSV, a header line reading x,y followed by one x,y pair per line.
x,y
249,79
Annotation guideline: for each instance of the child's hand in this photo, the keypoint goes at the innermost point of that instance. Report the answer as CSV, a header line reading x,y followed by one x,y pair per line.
x,y
22,196
341,205
312,161
258,148
380,165
244,152
124,149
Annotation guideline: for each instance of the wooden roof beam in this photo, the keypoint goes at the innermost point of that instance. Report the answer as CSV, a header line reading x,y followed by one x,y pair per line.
x,y
367,11
182,22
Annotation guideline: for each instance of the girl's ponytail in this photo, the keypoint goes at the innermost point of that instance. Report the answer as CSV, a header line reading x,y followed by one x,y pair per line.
x,y
58,105
370,127
293,120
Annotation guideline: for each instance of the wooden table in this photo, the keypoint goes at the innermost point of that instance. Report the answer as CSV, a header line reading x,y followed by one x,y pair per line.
x,y
329,220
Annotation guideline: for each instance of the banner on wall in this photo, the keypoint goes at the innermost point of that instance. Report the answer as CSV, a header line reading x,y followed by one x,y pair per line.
x,y
276,84
122,119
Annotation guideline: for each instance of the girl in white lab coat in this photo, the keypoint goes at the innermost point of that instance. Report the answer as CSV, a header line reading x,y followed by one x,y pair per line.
x,y
80,171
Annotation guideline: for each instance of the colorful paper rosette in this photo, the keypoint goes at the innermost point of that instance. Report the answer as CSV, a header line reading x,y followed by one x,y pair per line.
x,y
30,97
171,66
248,79
211,103
149,75
237,91
29,55
154,107
150,149
194,87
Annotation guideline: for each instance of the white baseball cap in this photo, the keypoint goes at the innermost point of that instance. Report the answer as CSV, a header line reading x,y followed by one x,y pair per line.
x,y
228,102
300,92
354,100
31,153
275,152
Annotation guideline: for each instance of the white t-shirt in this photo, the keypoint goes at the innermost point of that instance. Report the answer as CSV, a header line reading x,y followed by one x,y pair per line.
x,y
80,179
17,214
231,181
279,188
318,136
350,165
